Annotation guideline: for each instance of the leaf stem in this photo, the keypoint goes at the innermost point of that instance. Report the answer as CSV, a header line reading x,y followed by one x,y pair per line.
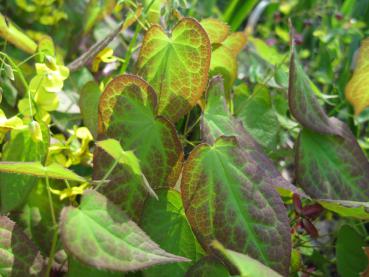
x,y
107,174
55,225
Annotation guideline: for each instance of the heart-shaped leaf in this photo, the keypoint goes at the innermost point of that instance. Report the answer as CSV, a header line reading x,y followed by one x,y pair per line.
x,y
166,223
21,147
127,113
99,234
357,89
216,29
217,121
227,199
18,255
331,167
176,66
329,162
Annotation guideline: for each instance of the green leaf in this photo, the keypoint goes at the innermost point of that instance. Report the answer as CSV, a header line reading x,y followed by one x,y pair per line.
x,y
216,29
18,255
259,118
89,103
176,66
227,198
166,223
247,266
266,52
208,266
351,259
127,113
224,63
303,103
54,171
217,121
77,269
332,167
128,158
35,217
358,210
9,32
20,147
357,89
100,235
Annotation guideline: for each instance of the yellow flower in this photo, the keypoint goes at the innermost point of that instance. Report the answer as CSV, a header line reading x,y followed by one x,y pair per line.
x,y
106,56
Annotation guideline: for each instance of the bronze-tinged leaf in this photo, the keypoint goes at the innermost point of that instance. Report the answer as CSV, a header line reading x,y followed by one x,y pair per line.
x,y
357,89
329,162
217,121
127,113
235,42
227,199
100,235
176,66
303,103
18,255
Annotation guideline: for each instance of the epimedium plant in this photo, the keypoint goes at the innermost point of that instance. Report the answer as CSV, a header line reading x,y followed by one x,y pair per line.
x,y
181,179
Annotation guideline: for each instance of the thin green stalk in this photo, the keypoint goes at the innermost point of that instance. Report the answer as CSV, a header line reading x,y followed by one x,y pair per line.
x,y
55,228
129,52
107,174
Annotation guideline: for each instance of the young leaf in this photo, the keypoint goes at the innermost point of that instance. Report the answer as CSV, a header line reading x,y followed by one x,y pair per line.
x,y
246,265
217,121
357,210
53,171
216,29
99,234
128,158
235,42
331,167
127,113
357,89
226,198
18,255
21,147
351,259
166,223
176,66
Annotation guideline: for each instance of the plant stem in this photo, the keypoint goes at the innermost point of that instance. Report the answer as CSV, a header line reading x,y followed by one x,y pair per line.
x,y
55,225
107,174
130,47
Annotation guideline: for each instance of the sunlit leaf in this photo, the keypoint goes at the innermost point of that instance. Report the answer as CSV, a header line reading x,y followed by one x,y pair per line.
x,y
127,158
99,234
18,255
227,198
176,66
127,113
54,171
357,90
21,147
345,208
166,223
247,266
216,29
